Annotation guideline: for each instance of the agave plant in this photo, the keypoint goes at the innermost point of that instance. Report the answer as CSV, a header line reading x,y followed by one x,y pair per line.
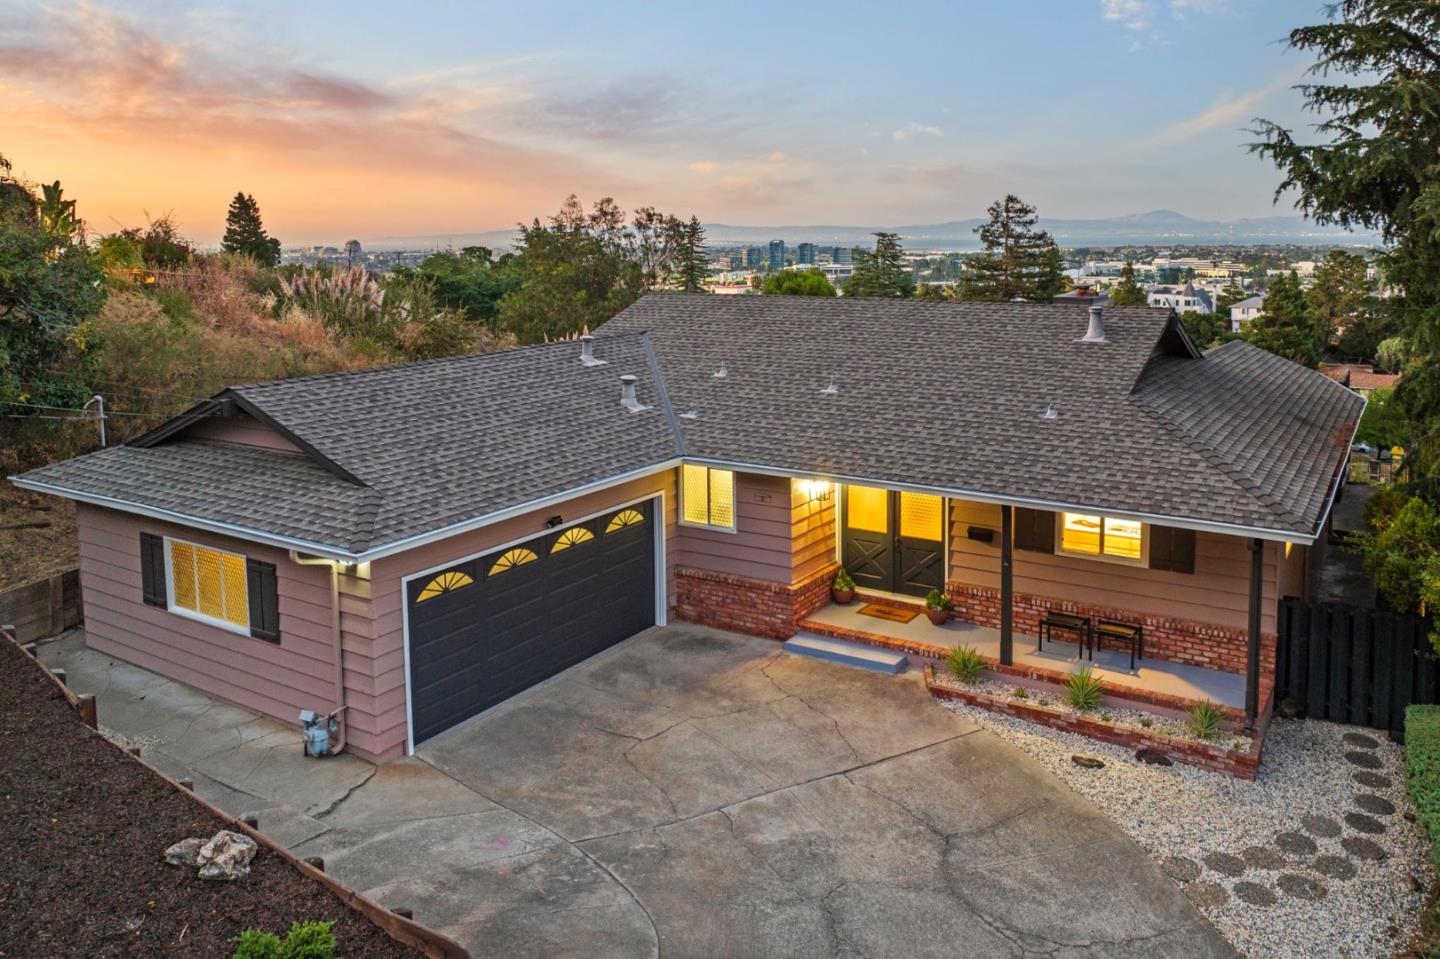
x,y
1083,689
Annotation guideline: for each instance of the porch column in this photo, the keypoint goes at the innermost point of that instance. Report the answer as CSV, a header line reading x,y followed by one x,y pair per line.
x,y
1007,587
1252,658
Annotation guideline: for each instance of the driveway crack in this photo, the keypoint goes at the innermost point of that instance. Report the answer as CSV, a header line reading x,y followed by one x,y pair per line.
x,y
347,794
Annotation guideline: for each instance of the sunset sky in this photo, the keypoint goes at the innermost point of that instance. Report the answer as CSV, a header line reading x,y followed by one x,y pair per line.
x,y
370,120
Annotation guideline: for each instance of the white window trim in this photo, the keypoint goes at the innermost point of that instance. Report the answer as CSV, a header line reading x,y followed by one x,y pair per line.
x,y
1102,556
200,617
734,498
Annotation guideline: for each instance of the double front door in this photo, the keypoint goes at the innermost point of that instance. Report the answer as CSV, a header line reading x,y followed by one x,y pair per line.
x,y
894,541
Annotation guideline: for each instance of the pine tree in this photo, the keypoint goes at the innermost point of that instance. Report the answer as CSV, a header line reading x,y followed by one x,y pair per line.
x,y
1231,294
1285,327
692,267
1051,280
245,234
1127,292
882,272
1013,264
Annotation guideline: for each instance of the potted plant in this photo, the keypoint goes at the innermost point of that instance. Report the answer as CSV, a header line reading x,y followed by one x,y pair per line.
x,y
938,606
842,590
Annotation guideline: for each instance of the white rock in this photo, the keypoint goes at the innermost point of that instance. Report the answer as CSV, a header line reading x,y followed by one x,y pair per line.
x,y
186,852
226,856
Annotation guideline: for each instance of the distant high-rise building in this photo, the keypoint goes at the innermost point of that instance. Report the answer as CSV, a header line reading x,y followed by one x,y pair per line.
x,y
754,256
843,254
805,254
352,252
777,254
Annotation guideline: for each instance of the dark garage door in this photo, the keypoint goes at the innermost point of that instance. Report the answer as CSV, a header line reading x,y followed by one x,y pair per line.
x,y
485,629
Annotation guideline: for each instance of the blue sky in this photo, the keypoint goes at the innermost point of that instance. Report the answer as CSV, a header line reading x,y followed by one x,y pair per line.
x,y
373,120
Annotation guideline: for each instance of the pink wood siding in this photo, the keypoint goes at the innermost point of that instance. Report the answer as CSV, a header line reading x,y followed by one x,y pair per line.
x,y
812,532
760,547
244,431
385,647
1218,592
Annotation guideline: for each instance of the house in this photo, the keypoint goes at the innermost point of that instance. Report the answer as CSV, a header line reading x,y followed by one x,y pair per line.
x,y
1245,310
416,543
1181,299
1366,381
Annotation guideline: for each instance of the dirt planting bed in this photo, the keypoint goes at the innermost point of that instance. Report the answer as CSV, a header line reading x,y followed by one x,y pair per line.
x,y
83,828
37,536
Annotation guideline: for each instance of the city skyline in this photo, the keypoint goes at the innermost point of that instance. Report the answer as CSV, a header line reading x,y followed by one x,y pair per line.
x,y
463,121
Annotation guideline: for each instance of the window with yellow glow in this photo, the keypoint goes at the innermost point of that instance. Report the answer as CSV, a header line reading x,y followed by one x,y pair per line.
x,y
624,518
512,558
444,583
922,516
1087,534
707,496
867,509
210,583
571,537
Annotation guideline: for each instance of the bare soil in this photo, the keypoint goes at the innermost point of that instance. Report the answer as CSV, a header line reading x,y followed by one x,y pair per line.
x,y
37,536
83,829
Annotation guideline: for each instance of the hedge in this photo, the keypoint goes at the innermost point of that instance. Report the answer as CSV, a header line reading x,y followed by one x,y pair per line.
x,y
1422,769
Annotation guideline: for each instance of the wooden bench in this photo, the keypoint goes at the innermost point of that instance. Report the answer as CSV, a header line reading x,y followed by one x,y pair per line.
x,y
1065,622
1133,636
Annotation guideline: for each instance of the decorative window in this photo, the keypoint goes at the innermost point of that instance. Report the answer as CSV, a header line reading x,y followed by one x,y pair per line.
x,y
867,509
707,497
572,537
444,583
210,584
1104,537
512,558
624,518
922,516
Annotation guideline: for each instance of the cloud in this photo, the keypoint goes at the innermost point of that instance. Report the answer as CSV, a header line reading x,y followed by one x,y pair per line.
x,y
1139,18
775,157
914,129
1213,8
1226,111
703,166
1134,15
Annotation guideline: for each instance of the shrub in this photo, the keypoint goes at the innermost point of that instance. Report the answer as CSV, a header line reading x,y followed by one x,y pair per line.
x,y
1083,689
843,580
305,940
1204,720
1021,692
1422,769
935,599
965,664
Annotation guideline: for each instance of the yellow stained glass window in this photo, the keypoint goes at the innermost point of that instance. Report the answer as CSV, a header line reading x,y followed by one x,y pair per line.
x,y
1102,536
512,558
624,518
571,537
444,583
1080,533
922,516
722,498
210,582
1124,538
708,496
868,509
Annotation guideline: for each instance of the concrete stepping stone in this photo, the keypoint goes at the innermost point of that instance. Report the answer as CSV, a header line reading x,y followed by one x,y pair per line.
x,y
1296,844
1322,826
1362,759
1180,869
1301,887
1334,867
1360,822
1209,894
1255,894
1372,780
1361,740
1362,848
1225,864
1262,857
1378,805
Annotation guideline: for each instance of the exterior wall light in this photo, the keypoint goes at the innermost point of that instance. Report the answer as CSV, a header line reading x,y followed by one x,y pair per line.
x,y
815,490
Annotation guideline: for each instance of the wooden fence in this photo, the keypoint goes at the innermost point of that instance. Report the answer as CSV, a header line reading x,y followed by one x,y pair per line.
x,y
1353,665
44,607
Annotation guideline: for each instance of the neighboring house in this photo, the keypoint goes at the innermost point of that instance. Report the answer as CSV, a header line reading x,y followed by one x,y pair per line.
x,y
1181,299
1364,381
1246,310
420,542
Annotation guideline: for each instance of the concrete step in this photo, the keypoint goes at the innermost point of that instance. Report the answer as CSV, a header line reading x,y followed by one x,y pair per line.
x,y
847,654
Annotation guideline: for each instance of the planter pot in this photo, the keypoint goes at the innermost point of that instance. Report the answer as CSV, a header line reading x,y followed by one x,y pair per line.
x,y
938,616
842,596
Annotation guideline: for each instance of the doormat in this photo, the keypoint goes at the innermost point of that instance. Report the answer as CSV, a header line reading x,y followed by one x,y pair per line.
x,y
892,613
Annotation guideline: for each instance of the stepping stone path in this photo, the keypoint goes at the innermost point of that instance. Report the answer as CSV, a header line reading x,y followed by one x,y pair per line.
x,y
1301,887
1372,780
1334,867
1296,844
1321,826
1362,848
1262,857
1361,740
1363,760
1225,864
1208,894
1180,869
1378,805
1360,822
1255,894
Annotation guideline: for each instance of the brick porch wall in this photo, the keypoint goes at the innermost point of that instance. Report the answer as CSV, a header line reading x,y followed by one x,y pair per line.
x,y
754,606
1172,640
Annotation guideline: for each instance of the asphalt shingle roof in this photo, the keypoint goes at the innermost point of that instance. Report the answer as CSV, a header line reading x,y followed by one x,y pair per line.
x,y
945,395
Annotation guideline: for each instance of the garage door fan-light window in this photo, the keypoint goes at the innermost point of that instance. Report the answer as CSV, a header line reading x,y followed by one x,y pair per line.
x,y
707,497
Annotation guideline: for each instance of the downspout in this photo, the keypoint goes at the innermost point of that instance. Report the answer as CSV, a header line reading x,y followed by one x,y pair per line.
x,y
1252,659
336,643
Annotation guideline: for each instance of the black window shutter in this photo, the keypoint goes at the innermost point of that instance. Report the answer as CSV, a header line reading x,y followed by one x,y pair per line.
x,y
1172,549
1034,530
264,600
152,570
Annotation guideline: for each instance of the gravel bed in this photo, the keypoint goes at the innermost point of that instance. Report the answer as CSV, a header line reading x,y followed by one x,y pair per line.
x,y
1278,864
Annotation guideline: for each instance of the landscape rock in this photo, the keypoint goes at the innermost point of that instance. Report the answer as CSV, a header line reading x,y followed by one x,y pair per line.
x,y
1147,755
1087,762
1288,707
1375,805
1301,887
1180,869
186,852
226,857
1255,894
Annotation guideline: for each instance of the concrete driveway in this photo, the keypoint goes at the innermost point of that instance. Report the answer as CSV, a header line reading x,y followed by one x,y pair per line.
x,y
690,793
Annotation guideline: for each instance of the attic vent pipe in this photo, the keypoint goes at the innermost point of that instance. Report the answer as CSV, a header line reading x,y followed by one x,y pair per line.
x,y
1096,332
587,351
627,393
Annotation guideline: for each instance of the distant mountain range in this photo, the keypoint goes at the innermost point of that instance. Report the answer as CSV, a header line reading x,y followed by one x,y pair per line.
x,y
1157,227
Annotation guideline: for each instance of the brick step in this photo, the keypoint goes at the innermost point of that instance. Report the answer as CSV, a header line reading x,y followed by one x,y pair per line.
x,y
846,654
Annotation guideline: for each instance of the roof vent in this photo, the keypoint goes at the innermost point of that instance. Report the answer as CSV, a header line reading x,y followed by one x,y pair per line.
x,y
690,414
832,389
627,393
1051,413
587,351
1096,332
721,373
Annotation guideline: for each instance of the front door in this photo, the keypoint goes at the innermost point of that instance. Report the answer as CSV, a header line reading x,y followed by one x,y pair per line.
x,y
894,541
